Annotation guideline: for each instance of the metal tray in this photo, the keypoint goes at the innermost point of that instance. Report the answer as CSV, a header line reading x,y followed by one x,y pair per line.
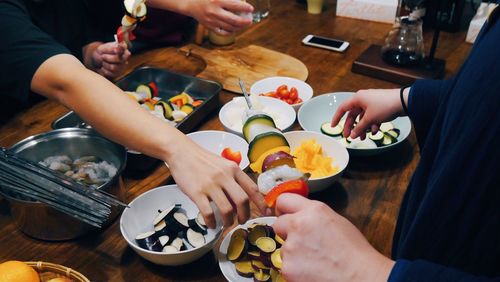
x,y
169,84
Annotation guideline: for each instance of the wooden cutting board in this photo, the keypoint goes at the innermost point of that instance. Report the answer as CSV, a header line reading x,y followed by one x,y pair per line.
x,y
251,63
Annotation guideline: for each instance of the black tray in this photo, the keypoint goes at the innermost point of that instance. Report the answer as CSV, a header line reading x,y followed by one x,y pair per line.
x,y
169,84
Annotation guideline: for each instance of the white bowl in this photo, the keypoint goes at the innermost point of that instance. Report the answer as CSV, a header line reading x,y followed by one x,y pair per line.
x,y
226,266
216,141
139,219
282,113
321,109
331,148
269,84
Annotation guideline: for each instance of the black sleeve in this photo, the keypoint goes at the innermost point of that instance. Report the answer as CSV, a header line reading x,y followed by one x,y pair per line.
x,y
23,48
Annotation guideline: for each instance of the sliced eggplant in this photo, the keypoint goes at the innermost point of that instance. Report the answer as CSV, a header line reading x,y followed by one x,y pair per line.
x,y
164,240
193,224
177,223
163,214
201,220
255,233
239,233
169,249
276,259
279,240
148,241
194,238
181,218
261,276
258,265
327,129
244,268
266,244
160,226
237,248
178,243
254,254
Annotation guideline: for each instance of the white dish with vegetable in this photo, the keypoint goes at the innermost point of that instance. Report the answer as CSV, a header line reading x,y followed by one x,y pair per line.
x,y
316,115
165,227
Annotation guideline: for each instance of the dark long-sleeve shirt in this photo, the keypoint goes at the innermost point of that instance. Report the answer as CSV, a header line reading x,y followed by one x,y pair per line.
x,y
449,223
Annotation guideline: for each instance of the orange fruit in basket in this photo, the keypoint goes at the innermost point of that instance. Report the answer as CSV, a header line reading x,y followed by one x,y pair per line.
x,y
15,271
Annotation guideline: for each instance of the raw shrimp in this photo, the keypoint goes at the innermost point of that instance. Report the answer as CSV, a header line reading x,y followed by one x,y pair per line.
x,y
272,177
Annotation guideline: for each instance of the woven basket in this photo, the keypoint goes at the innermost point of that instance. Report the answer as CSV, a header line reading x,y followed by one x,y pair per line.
x,y
48,271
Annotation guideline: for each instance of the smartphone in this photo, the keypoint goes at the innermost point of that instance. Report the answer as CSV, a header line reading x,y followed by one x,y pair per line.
x,y
326,43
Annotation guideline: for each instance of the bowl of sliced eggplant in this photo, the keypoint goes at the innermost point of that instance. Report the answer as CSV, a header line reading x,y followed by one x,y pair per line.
x,y
316,115
165,227
252,252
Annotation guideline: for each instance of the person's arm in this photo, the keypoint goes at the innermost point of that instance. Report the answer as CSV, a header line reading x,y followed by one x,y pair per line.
x,y
220,16
424,99
337,251
421,270
202,175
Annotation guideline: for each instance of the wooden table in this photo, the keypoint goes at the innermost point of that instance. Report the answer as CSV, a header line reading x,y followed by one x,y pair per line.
x,y
368,194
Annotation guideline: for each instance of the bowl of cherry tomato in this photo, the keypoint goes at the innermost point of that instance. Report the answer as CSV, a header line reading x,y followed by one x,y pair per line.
x,y
290,90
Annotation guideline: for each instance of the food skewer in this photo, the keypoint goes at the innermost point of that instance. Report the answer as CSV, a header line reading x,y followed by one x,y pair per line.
x,y
135,11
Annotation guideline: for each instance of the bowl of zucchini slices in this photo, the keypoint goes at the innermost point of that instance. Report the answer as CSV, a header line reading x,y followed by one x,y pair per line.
x,y
316,115
165,227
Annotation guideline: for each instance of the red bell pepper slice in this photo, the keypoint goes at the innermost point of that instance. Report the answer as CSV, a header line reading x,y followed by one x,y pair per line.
x,y
298,186
154,88
231,155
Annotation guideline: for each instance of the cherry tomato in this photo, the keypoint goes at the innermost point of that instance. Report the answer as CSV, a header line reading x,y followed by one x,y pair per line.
x,y
290,101
294,94
298,100
281,87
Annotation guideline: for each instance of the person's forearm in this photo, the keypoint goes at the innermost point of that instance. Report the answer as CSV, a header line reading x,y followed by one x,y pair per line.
x,y
105,107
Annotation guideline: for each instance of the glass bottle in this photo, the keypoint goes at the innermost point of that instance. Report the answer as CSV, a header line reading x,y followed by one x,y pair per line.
x,y
404,45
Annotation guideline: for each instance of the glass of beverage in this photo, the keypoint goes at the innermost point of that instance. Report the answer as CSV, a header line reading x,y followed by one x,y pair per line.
x,y
314,6
260,9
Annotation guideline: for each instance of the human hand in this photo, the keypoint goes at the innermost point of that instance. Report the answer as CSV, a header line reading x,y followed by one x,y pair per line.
x,y
221,16
206,177
321,245
373,107
110,59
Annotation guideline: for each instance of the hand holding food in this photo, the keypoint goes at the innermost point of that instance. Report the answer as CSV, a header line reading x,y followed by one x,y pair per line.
x,y
334,245
222,16
206,177
373,107
110,59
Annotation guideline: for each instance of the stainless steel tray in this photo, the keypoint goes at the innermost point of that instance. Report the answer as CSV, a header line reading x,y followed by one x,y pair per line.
x,y
169,84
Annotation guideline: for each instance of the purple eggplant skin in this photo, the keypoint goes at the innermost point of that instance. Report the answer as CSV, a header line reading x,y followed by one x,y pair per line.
x,y
270,231
265,258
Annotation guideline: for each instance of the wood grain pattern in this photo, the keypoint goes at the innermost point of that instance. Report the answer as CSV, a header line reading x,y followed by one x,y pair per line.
x,y
251,63
368,194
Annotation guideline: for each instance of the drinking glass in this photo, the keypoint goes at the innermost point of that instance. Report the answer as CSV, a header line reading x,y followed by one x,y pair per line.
x,y
260,9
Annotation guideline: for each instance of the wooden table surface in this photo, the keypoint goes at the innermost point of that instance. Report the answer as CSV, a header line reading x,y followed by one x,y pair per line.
x,y
368,194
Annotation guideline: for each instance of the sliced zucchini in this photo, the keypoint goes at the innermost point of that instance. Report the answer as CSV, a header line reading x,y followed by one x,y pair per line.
x,y
386,126
377,137
388,140
327,129
394,132
343,142
263,143
256,125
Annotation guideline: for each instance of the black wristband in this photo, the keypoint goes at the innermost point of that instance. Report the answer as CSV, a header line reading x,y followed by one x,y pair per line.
x,y
401,96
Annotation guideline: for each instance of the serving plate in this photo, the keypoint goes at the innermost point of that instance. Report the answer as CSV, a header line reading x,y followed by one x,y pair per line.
x,y
226,266
320,109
